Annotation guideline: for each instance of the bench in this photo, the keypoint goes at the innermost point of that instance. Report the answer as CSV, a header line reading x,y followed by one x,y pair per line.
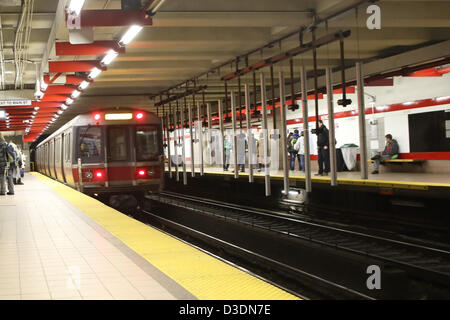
x,y
401,161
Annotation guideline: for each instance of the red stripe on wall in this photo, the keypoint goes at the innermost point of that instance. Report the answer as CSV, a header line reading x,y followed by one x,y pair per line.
x,y
381,109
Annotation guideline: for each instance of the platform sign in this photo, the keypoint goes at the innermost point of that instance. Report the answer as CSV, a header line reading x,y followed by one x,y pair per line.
x,y
16,102
2,114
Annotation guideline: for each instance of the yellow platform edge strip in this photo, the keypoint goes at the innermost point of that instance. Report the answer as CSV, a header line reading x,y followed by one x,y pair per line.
x,y
202,275
416,185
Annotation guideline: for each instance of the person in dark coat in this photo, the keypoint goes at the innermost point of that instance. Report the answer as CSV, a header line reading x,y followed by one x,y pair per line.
x,y
390,151
323,149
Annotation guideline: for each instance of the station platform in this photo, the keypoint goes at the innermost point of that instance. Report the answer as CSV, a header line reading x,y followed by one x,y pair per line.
x,y
398,180
57,243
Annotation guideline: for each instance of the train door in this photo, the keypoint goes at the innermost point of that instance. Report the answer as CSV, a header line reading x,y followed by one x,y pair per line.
x,y
52,158
57,153
46,161
67,158
61,174
120,164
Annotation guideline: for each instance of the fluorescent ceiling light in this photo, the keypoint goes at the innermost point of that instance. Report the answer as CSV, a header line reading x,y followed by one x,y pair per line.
x,y
84,85
94,73
44,86
60,111
75,6
64,107
69,101
158,6
75,94
130,34
110,56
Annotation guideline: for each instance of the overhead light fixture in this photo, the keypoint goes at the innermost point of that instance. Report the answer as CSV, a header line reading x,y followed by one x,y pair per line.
x,y
94,73
60,111
157,6
130,35
75,6
75,94
34,112
44,86
64,107
84,85
36,108
69,101
110,56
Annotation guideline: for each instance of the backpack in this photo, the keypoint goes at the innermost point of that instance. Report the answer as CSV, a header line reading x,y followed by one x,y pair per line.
x,y
11,154
3,153
292,142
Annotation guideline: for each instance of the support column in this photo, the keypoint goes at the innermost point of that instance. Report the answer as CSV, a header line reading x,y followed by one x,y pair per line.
x,y
283,134
169,162
304,89
220,112
233,122
362,121
249,134
191,141
175,140
209,135
266,135
200,138
333,165
183,139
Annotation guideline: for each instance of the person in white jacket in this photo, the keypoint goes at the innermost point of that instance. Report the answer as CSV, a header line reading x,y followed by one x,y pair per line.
x,y
20,167
300,148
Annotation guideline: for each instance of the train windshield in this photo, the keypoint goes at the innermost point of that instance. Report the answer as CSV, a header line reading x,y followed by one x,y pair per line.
x,y
147,143
89,143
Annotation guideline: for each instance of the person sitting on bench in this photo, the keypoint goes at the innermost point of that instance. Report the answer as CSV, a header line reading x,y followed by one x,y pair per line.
x,y
390,152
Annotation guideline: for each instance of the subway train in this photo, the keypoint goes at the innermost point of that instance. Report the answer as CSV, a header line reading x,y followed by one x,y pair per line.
x,y
116,152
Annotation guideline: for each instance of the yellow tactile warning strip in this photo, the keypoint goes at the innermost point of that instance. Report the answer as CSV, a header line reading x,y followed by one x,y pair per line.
x,y
357,182
202,275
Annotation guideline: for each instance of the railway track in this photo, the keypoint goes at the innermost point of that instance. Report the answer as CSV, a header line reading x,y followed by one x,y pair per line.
x,y
419,261
302,284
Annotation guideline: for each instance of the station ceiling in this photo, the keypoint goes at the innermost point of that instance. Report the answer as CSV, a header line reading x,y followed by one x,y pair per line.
x,y
189,38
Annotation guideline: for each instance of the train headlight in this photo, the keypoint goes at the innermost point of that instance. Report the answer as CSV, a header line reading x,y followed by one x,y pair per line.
x,y
141,173
88,175
99,175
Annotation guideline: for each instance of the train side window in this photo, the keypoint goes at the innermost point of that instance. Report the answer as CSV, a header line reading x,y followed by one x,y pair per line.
x,y
67,149
89,143
147,143
118,143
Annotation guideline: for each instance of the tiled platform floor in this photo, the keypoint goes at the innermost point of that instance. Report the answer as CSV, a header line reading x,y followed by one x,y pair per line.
x,y
50,250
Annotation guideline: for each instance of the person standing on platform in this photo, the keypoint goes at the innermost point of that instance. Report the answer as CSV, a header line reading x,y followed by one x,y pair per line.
x,y
20,167
390,152
13,163
4,161
323,149
7,158
292,141
300,148
241,144
227,145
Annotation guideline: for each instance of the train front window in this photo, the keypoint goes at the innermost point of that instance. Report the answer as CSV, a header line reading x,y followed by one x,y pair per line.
x,y
118,143
147,143
89,143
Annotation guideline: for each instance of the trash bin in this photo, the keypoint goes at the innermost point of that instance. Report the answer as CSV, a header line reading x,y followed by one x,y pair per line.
x,y
349,153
